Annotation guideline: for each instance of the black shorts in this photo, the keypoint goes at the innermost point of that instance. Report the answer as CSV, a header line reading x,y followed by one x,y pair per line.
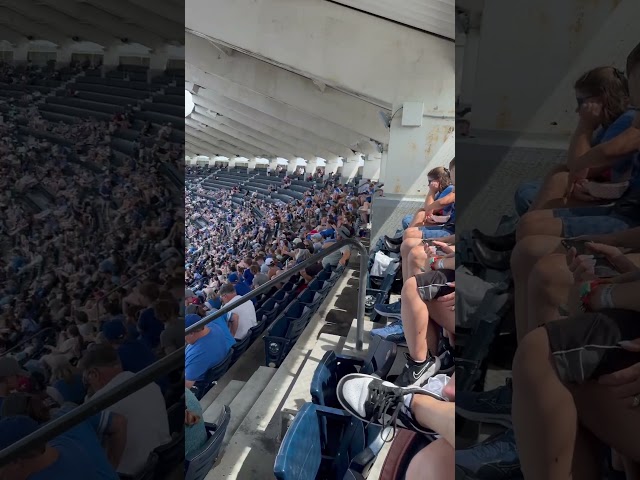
x,y
585,346
432,284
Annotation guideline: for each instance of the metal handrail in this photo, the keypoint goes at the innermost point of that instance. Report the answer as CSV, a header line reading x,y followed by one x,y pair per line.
x,y
175,360
131,280
26,340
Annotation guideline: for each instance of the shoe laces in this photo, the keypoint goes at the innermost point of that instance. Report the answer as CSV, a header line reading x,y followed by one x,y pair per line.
x,y
382,398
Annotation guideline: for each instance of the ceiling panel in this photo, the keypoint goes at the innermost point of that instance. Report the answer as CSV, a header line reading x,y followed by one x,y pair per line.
x,y
434,16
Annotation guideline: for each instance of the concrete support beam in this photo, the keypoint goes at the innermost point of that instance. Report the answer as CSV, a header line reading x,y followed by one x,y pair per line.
x,y
145,19
21,53
273,165
164,9
229,126
95,25
236,138
272,107
350,168
27,27
299,92
213,147
12,36
292,166
272,126
378,59
371,169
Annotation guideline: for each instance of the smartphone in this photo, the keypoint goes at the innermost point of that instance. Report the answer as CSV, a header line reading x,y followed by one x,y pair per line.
x,y
603,267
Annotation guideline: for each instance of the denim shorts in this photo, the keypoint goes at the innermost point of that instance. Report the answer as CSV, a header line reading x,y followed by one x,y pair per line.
x,y
596,220
434,232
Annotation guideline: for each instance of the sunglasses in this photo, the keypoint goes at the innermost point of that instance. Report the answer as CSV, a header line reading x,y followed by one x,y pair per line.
x,y
582,100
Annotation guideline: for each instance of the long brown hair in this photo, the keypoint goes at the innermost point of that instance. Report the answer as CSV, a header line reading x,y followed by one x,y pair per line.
x,y
441,174
610,84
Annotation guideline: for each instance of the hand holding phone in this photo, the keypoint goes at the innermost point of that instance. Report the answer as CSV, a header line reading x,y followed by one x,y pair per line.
x,y
602,264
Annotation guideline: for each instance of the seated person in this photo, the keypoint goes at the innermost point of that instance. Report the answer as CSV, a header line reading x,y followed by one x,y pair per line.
x,y
341,256
596,340
207,346
603,106
242,317
195,433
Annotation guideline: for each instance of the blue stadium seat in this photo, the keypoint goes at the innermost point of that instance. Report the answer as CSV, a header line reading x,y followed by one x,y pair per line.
x,y
169,455
284,332
176,416
198,464
380,358
240,347
216,372
307,454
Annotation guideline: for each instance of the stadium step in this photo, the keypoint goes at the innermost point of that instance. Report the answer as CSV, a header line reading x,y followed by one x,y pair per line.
x,y
252,449
246,398
300,391
350,343
226,397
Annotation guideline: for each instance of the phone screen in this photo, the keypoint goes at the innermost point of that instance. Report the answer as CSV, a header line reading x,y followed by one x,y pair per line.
x,y
603,267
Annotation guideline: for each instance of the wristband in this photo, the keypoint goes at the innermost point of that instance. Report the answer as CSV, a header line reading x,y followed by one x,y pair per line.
x,y
606,299
586,294
432,262
441,264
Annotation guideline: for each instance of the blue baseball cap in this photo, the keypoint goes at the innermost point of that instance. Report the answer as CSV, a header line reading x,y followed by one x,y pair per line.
x,y
114,330
15,428
233,277
191,319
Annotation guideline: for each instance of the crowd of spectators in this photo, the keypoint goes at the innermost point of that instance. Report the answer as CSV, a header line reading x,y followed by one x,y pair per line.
x,y
91,273
234,248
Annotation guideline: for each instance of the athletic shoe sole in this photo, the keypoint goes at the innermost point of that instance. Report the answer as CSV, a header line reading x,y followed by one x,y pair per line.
x,y
401,390
502,419
387,314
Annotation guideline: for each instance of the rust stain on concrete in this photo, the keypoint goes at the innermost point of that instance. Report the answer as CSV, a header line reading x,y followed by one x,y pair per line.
x,y
503,120
396,186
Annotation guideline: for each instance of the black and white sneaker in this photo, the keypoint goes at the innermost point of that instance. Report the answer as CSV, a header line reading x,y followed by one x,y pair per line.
x,y
416,374
377,401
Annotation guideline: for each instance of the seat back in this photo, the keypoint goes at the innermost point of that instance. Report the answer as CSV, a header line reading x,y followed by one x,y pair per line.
x,y
175,413
300,453
147,473
380,357
199,463
240,347
213,374
328,373
169,455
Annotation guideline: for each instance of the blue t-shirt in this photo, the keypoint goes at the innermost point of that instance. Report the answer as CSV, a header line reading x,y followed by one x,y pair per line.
x,y
81,455
223,323
73,392
621,124
205,353
135,355
150,327
242,288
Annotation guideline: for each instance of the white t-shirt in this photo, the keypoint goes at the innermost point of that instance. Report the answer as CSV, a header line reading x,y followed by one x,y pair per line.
x,y
246,317
147,423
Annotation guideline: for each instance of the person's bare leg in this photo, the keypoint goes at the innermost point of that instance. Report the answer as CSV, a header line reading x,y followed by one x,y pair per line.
x,y
434,462
524,257
553,187
418,261
415,319
549,283
545,420
405,253
418,219
609,417
539,222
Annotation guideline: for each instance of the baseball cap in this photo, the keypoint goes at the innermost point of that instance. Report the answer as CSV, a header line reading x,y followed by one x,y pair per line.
x,y
14,429
9,367
191,319
268,261
114,330
233,277
188,293
296,241
317,236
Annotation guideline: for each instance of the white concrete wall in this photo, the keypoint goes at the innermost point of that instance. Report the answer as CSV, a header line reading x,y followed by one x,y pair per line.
x,y
546,45
378,59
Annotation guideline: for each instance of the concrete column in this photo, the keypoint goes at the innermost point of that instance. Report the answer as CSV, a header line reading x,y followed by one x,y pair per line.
x,y
110,60
291,167
371,170
350,168
21,53
63,55
273,166
469,63
232,162
252,164
312,165
332,166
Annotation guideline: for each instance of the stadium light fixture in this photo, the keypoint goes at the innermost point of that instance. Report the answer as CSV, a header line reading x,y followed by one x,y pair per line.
x,y
188,103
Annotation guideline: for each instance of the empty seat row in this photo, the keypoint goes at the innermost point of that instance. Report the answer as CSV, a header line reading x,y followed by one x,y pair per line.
x,y
74,112
115,82
85,104
105,89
